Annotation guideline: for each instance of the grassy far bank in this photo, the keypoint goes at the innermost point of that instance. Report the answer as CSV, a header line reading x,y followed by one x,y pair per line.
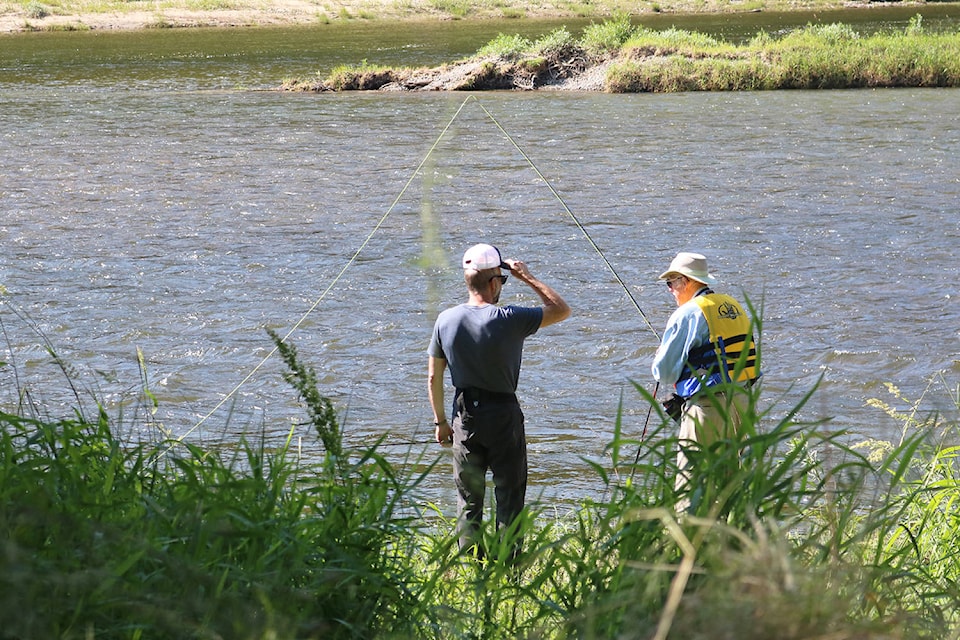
x,y
39,15
792,535
617,57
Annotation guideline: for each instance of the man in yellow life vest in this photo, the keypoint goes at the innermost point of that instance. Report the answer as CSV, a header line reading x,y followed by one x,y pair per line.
x,y
702,347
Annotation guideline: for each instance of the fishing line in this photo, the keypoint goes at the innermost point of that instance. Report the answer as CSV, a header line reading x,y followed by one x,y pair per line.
x,y
377,227
593,244
330,286
570,213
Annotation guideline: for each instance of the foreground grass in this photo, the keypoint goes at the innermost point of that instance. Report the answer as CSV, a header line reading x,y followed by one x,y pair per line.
x,y
107,539
638,59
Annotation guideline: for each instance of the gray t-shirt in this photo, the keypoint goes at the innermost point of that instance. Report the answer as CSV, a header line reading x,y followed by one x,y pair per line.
x,y
483,346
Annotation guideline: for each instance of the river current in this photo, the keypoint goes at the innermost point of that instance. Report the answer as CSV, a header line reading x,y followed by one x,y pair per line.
x,y
178,220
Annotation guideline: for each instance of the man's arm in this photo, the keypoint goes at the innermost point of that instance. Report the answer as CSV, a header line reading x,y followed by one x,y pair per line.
x,y
555,308
435,369
669,359
686,329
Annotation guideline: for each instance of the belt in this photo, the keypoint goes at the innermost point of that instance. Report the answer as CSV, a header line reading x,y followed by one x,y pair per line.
x,y
718,392
700,395
473,397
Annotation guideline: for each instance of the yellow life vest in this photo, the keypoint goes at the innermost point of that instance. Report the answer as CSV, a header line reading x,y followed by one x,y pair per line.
x,y
730,332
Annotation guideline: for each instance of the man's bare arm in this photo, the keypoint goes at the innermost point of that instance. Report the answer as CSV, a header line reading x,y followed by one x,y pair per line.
x,y
555,307
435,369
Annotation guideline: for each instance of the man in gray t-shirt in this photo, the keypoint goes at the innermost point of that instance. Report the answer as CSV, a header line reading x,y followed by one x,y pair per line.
x,y
482,344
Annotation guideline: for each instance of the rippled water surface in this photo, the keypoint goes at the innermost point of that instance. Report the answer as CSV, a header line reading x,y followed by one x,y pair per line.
x,y
180,221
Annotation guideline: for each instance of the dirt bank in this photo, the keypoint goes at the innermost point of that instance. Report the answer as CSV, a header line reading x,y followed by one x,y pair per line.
x,y
478,74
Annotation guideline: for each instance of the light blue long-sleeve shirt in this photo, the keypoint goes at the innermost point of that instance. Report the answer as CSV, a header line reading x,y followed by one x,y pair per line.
x,y
686,330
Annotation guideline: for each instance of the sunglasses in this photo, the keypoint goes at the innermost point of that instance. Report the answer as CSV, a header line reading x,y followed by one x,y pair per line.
x,y
671,281
503,279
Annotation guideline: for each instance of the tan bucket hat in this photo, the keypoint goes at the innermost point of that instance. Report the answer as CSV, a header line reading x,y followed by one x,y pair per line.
x,y
691,265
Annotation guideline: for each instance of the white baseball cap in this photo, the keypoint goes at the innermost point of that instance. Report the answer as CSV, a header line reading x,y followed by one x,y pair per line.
x,y
483,256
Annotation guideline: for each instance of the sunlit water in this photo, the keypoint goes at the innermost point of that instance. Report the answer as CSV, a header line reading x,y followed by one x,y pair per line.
x,y
181,220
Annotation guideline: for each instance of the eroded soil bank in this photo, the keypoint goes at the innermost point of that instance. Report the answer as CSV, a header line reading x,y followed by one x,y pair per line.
x,y
573,73
816,57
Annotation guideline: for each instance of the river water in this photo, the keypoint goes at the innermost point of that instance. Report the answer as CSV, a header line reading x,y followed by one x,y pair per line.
x,y
162,204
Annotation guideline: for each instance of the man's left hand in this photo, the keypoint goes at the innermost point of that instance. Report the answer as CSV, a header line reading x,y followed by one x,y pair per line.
x,y
674,407
444,433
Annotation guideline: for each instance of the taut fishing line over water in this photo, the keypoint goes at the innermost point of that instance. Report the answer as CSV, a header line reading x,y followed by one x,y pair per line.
x,y
569,212
380,224
593,244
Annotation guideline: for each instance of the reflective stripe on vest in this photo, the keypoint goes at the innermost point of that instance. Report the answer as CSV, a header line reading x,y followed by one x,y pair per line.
x,y
729,330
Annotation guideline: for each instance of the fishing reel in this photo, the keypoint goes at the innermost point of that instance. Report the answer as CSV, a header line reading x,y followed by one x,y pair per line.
x,y
674,407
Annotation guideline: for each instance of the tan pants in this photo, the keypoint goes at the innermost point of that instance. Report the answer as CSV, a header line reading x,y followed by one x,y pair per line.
x,y
706,419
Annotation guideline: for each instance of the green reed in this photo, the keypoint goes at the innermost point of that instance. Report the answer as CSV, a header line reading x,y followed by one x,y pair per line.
x,y
816,57
106,539
638,59
793,531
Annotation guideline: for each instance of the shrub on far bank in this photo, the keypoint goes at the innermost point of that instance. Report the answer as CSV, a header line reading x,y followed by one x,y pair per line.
x,y
637,59
816,57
